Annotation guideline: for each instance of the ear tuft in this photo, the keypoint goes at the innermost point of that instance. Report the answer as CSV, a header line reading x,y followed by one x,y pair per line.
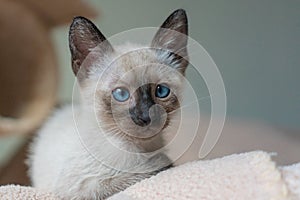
x,y
84,36
177,21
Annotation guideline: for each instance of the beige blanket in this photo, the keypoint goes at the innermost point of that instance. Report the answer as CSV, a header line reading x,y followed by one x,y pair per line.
x,y
250,176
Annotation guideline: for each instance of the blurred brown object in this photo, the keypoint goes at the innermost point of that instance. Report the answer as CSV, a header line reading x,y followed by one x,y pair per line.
x,y
28,69
15,172
58,12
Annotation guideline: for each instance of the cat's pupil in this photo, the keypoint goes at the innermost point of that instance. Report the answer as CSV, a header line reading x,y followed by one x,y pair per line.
x,y
121,94
162,91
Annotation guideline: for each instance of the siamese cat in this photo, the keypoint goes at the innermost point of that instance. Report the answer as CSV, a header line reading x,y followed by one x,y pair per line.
x,y
130,95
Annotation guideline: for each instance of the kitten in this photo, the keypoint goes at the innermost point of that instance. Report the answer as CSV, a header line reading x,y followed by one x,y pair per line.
x,y
130,94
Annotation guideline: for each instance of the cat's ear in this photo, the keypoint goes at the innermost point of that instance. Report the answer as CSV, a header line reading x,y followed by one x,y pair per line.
x,y
171,39
84,36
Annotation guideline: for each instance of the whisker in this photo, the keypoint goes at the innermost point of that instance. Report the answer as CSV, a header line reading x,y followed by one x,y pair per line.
x,y
192,102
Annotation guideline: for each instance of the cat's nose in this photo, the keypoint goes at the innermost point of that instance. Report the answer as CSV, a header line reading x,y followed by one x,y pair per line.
x,y
140,118
143,120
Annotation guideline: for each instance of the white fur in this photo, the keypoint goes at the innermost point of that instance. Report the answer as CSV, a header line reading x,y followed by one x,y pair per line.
x,y
62,158
61,164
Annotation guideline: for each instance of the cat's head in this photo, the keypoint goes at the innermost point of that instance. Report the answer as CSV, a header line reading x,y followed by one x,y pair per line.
x,y
133,89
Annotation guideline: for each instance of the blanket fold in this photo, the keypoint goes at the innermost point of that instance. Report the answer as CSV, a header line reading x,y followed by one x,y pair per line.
x,y
250,175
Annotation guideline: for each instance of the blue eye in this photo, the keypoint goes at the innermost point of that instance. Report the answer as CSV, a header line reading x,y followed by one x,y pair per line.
x,y
121,94
162,91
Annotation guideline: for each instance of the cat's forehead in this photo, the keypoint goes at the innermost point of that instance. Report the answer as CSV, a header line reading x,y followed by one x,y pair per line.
x,y
141,66
131,57
134,66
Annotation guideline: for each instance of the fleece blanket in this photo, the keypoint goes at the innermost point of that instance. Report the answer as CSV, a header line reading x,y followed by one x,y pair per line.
x,y
245,176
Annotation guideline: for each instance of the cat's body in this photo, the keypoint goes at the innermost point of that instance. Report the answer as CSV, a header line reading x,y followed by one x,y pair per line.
x,y
129,97
61,163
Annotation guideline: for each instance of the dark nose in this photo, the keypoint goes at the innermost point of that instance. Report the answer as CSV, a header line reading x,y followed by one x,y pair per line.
x,y
140,117
142,120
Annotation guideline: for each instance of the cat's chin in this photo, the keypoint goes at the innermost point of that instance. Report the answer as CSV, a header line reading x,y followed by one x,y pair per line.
x,y
146,133
146,142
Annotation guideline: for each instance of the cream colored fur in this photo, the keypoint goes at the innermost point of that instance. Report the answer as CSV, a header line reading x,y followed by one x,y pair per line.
x,y
60,163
